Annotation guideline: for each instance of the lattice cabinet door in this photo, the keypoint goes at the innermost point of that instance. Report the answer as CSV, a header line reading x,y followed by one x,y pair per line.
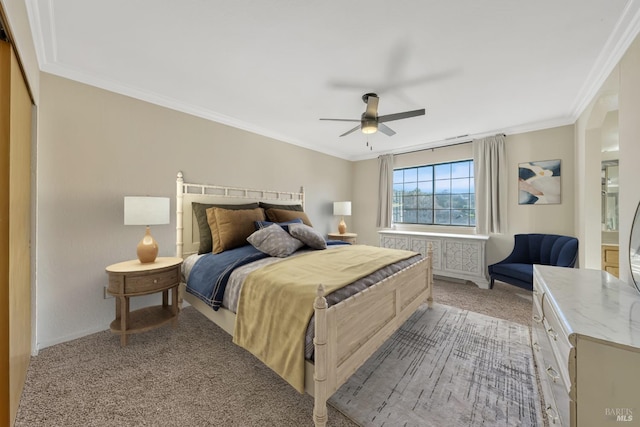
x,y
463,256
421,245
395,242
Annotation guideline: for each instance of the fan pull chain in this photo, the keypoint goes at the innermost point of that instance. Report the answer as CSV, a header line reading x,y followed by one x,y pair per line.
x,y
370,146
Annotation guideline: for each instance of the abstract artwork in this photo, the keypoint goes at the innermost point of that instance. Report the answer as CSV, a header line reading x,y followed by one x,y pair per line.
x,y
539,183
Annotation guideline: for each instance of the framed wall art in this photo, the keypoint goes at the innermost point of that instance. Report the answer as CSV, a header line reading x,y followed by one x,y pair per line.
x,y
539,183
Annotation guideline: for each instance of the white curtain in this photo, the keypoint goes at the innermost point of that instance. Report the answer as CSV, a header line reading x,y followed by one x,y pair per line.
x,y
385,191
490,164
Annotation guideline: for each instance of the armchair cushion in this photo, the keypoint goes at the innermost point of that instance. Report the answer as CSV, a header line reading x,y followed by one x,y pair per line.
x,y
529,249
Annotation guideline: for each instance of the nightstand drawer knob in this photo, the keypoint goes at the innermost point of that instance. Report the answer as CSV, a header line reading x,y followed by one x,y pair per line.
x,y
155,280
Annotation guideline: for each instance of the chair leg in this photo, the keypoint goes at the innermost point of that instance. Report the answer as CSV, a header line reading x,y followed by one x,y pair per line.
x,y
491,283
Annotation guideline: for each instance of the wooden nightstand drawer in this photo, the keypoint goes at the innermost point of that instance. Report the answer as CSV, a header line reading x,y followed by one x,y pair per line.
x,y
132,284
345,237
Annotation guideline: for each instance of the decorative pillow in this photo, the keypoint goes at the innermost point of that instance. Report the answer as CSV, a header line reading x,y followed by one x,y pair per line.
x,y
230,228
282,215
274,241
308,235
266,206
284,225
200,211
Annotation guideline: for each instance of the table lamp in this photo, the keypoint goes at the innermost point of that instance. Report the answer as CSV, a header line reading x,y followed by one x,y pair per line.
x,y
343,209
146,211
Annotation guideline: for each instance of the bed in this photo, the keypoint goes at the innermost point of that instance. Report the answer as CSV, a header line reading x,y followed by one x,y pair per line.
x,y
344,333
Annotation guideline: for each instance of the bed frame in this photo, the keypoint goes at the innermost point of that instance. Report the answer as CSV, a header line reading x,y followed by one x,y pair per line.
x,y
347,333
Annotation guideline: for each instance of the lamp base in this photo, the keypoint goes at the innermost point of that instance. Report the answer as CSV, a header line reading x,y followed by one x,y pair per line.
x,y
342,227
147,248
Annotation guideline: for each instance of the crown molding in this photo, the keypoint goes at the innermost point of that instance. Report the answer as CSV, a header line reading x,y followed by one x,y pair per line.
x,y
624,33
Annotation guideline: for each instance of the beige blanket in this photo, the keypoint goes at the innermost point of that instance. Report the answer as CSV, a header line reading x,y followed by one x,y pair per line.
x,y
276,302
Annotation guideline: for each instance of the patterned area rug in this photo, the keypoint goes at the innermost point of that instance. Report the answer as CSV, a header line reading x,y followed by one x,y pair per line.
x,y
446,367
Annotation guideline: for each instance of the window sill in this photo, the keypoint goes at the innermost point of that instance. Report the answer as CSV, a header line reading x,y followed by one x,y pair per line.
x,y
433,228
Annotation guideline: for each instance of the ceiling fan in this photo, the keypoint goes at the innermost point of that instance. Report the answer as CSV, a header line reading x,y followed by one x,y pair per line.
x,y
370,122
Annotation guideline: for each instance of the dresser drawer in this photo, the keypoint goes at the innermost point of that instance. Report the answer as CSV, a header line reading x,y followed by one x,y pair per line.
x,y
538,293
556,397
539,344
558,340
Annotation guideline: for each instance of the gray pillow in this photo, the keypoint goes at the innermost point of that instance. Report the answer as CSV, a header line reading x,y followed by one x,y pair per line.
x,y
308,235
274,241
200,211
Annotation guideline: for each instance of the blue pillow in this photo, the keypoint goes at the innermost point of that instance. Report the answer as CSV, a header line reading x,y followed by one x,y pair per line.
x,y
285,225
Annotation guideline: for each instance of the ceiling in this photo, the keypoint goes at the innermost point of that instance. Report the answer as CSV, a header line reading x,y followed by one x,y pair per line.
x,y
276,67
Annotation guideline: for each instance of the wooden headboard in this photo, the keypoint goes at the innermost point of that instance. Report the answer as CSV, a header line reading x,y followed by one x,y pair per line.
x,y
187,236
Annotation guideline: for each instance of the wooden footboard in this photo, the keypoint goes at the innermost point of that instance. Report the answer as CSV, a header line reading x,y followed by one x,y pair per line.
x,y
348,333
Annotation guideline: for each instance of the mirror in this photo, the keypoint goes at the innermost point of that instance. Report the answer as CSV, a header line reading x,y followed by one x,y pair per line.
x,y
634,249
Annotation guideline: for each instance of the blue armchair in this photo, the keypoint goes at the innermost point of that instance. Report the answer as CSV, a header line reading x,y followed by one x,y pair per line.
x,y
529,249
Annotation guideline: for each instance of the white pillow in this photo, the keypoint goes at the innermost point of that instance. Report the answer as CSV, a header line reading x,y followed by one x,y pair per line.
x,y
274,241
308,235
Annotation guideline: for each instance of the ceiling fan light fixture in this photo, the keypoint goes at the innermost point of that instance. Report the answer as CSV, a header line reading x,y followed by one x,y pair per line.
x,y
369,126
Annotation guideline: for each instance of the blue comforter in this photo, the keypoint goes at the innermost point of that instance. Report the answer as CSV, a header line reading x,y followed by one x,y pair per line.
x,y
210,274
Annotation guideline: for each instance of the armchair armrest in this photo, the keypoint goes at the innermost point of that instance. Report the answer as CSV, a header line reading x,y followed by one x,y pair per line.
x,y
520,253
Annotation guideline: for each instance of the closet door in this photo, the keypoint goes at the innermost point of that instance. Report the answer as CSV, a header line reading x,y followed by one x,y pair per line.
x,y
15,224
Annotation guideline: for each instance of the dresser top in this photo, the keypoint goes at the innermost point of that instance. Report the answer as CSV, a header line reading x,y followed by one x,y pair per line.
x,y
592,303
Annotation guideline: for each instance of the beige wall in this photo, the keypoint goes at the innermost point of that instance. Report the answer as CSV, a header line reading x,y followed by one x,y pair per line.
x,y
95,147
589,143
555,143
624,85
629,134
547,144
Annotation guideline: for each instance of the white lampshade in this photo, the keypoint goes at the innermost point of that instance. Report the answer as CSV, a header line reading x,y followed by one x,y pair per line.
x,y
146,210
342,208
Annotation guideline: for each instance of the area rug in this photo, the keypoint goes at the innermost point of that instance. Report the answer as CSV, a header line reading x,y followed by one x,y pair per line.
x,y
446,367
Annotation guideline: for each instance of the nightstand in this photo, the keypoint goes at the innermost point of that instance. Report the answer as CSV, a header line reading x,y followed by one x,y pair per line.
x,y
132,278
346,237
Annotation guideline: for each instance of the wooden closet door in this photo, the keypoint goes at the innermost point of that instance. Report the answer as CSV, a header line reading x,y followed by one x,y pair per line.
x,y
15,226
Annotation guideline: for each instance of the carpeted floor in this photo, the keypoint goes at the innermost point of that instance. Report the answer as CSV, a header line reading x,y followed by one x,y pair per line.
x,y
193,375
503,301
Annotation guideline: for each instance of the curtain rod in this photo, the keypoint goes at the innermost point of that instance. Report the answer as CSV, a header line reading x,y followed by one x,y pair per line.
x,y
442,146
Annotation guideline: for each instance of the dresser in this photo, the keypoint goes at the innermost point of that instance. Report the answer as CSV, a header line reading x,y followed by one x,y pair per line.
x,y
586,343
461,256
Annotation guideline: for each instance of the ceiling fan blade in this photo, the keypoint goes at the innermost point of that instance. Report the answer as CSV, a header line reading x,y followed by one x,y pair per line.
x,y
386,129
351,131
343,120
372,106
398,116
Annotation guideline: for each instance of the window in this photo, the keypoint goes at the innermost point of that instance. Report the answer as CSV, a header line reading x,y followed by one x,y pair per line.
x,y
441,194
